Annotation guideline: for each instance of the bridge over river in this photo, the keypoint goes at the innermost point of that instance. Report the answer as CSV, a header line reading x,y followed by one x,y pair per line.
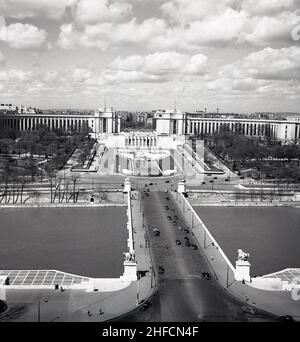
x,y
183,293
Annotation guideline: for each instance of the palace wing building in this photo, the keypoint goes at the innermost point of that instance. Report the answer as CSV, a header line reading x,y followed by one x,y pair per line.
x,y
166,123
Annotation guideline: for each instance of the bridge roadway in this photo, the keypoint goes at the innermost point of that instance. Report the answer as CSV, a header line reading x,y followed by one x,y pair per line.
x,y
183,294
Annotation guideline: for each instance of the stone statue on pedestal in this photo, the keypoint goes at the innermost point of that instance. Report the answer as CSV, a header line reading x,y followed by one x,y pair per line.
x,y
243,256
129,256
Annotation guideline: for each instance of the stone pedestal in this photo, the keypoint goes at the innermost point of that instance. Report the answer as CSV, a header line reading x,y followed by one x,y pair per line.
x,y
130,271
2,287
127,185
181,187
242,270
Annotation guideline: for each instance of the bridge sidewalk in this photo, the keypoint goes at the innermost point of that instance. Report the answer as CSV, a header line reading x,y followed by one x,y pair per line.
x,y
146,282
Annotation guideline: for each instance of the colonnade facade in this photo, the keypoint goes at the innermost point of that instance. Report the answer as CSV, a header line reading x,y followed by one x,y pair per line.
x,y
140,140
30,123
100,123
282,130
108,122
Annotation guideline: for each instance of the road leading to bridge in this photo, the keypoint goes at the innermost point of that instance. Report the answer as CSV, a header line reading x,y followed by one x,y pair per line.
x,y
183,295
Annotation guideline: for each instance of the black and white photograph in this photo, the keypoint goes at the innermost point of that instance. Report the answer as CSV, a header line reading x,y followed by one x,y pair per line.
x,y
149,164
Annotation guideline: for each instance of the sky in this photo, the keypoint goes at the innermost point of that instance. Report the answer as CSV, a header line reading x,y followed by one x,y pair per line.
x,y
235,55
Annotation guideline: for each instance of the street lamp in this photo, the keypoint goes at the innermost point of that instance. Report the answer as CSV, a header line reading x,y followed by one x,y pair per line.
x,y
39,308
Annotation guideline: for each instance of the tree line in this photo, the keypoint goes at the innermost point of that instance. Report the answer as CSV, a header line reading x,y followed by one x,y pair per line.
x,y
21,151
266,158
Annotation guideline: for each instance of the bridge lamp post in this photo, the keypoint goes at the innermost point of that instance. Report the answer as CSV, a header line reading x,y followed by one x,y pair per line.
x,y
39,309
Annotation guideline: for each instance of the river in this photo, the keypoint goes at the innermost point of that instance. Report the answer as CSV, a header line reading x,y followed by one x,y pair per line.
x,y
83,241
270,234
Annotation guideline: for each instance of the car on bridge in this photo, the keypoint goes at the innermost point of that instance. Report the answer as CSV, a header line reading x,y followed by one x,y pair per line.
x,y
206,275
156,232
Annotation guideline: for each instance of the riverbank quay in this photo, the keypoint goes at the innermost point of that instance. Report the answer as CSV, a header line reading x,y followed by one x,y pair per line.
x,y
242,198
63,205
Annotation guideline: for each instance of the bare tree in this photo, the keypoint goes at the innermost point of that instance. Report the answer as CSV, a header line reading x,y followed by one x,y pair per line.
x,y
74,179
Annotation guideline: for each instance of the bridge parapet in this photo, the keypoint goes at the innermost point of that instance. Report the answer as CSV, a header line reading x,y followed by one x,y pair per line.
x,y
223,268
130,264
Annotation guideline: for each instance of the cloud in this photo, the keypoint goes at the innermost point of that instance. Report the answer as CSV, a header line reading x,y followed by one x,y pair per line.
x,y
186,11
104,35
15,75
111,76
269,7
97,11
162,63
2,59
219,23
196,65
115,77
188,25
131,77
246,84
267,64
131,63
25,36
160,44
21,9
264,31
268,71
273,64
50,76
81,75
214,30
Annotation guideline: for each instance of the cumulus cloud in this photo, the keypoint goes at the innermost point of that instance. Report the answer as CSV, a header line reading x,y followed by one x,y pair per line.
x,y
50,76
269,7
81,75
162,44
196,65
131,77
185,11
268,71
110,77
270,30
104,35
188,25
96,11
21,9
273,64
215,30
131,63
2,59
15,75
162,63
25,36
200,22
267,64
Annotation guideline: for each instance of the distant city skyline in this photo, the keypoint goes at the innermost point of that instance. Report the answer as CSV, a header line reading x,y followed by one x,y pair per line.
x,y
239,56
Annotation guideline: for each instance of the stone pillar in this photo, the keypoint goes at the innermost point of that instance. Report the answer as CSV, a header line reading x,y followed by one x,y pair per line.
x,y
181,187
242,269
127,185
130,271
3,280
